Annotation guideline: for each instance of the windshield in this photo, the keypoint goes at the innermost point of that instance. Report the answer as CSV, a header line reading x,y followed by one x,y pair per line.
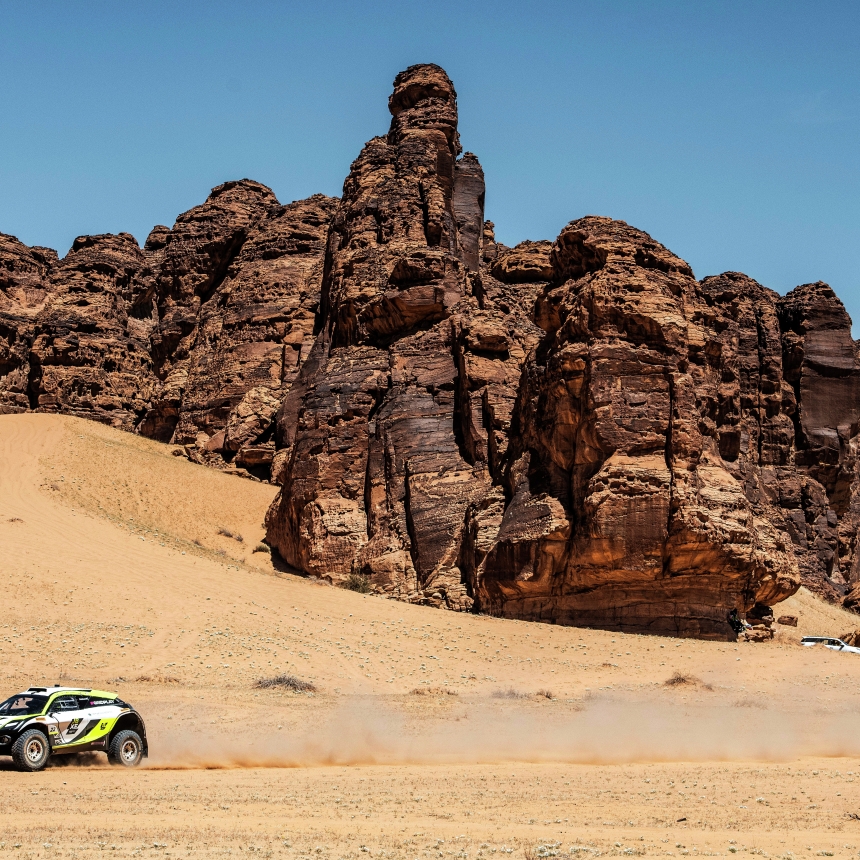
x,y
22,704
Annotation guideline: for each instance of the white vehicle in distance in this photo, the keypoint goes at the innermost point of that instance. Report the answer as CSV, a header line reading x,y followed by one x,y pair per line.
x,y
827,642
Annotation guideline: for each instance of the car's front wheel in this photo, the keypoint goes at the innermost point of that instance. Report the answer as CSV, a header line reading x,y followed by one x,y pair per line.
x,y
126,749
31,751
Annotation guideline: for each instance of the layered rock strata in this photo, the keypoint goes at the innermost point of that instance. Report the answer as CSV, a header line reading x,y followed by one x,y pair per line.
x,y
576,431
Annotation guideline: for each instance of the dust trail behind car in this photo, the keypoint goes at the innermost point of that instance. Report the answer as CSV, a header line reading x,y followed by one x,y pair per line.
x,y
605,732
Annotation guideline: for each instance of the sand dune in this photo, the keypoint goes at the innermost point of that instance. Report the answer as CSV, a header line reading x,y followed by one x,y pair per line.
x,y
116,574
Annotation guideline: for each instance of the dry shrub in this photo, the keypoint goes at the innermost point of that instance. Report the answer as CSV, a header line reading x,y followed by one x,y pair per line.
x,y
287,682
230,534
546,694
357,582
680,680
510,693
750,703
157,679
433,691
261,547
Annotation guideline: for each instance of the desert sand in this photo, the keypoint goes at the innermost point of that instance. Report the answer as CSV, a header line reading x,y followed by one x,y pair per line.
x,y
430,734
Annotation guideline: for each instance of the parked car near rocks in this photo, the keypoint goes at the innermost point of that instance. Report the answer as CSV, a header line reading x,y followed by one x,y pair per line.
x,y
828,642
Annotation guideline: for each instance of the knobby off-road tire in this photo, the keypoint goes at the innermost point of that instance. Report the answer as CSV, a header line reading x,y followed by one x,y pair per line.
x,y
126,749
31,751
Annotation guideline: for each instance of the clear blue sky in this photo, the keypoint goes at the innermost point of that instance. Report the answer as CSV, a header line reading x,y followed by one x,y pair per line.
x,y
730,131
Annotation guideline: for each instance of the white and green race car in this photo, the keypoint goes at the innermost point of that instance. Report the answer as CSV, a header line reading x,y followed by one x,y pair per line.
x,y
47,721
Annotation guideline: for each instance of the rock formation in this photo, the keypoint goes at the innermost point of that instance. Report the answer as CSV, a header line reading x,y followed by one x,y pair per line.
x,y
23,272
575,431
254,328
622,512
195,338
88,357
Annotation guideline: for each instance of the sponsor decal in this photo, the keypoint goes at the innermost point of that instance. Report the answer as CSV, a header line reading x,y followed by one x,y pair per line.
x,y
73,726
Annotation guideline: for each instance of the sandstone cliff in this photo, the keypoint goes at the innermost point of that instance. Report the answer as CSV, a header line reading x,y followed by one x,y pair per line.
x,y
193,338
575,431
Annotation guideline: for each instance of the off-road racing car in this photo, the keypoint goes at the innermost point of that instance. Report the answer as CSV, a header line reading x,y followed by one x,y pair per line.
x,y
47,721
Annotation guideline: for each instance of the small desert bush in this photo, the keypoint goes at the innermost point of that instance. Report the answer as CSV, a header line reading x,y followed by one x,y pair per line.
x,y
545,694
433,691
510,693
357,582
261,547
681,680
287,682
157,679
230,534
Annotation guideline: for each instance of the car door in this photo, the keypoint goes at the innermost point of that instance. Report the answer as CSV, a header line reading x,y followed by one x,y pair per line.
x,y
70,719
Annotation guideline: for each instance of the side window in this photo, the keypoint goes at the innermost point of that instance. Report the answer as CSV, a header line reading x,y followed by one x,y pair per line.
x,y
65,703
83,702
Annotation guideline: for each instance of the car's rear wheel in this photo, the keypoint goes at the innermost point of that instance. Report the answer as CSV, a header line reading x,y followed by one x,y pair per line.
x,y
31,751
126,749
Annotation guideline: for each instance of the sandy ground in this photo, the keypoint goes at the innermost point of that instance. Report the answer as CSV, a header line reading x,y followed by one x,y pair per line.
x,y
525,739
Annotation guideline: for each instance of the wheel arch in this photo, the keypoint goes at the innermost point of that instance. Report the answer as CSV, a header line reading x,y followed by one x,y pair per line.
x,y
40,727
133,721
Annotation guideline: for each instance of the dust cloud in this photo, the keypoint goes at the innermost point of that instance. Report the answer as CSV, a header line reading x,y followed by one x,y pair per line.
x,y
364,732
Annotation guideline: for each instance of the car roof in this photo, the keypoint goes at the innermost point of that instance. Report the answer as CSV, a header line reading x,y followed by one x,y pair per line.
x,y
821,639
50,691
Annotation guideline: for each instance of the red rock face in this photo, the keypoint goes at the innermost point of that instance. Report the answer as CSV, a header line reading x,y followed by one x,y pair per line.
x,y
194,339
822,367
23,290
378,479
87,357
254,333
439,438
622,512
193,261
574,431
